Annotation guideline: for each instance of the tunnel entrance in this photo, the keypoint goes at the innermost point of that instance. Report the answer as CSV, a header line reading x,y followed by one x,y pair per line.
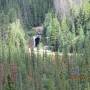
x,y
37,41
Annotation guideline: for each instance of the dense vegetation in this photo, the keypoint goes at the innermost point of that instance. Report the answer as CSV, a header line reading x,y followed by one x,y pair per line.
x,y
66,33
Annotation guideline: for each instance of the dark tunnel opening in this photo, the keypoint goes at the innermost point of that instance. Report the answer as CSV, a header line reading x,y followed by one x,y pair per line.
x,y
37,41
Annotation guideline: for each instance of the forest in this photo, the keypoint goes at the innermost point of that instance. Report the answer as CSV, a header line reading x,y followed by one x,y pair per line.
x,y
44,44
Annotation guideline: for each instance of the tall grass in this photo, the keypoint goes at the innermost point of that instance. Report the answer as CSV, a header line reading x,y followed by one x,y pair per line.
x,y
47,71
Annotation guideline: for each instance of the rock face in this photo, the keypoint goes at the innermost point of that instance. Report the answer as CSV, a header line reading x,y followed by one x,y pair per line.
x,y
62,7
38,29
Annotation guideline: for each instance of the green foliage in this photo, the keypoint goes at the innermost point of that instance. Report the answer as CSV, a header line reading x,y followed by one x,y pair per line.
x,y
52,29
12,36
12,15
44,70
72,29
66,35
86,8
39,8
